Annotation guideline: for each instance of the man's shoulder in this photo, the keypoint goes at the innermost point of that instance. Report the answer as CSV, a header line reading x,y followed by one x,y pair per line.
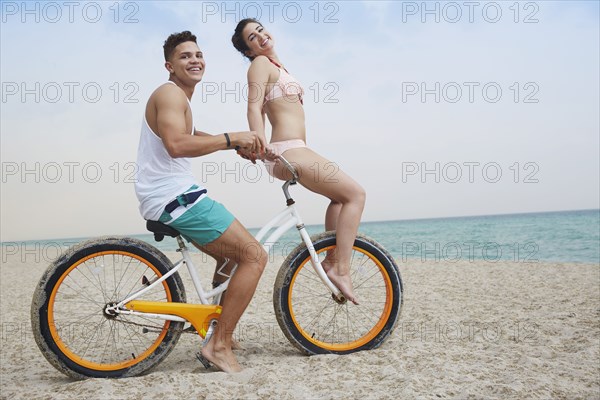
x,y
168,89
168,92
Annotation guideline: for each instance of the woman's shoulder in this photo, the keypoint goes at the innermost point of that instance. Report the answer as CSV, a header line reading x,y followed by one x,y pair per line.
x,y
260,61
260,67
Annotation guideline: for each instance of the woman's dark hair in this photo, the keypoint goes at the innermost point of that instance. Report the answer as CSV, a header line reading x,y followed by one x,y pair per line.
x,y
176,39
238,40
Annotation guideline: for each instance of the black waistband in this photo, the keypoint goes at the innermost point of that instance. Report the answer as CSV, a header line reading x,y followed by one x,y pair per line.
x,y
183,200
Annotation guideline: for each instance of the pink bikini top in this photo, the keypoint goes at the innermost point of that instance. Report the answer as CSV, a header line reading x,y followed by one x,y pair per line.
x,y
286,85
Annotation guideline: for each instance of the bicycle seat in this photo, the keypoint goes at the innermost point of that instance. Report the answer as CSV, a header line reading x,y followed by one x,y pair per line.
x,y
161,230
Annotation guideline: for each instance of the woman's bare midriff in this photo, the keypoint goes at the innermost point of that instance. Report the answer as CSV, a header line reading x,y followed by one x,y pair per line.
x,y
286,116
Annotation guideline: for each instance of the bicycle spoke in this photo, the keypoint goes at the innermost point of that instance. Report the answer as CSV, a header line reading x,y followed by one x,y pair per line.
x,y
376,273
84,289
133,281
125,269
108,338
311,289
331,324
317,314
97,277
96,331
83,319
133,335
309,273
310,297
81,293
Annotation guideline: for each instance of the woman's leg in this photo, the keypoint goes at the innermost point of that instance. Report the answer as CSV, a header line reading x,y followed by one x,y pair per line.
x,y
343,214
332,214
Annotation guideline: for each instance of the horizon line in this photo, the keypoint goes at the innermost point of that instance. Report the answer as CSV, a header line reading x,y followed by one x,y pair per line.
x,y
80,238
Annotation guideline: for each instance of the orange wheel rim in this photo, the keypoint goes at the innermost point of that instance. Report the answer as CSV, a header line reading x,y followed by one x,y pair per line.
x,y
90,364
367,337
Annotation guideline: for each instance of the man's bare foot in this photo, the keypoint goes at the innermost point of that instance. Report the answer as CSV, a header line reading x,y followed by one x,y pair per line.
x,y
221,356
235,345
342,282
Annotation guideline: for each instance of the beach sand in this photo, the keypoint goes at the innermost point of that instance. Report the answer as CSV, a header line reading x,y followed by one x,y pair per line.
x,y
467,330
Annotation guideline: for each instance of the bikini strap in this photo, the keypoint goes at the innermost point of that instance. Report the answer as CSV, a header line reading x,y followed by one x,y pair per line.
x,y
280,67
277,65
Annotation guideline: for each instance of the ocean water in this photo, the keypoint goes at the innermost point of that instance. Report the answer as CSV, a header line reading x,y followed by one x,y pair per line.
x,y
567,236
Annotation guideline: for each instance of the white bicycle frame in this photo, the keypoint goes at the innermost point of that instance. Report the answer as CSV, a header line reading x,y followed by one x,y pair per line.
x,y
282,222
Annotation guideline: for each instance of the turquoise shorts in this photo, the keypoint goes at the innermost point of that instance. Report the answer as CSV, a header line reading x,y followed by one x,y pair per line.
x,y
202,223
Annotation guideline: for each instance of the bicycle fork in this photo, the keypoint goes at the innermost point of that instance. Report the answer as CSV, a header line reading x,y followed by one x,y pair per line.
x,y
314,257
294,218
316,264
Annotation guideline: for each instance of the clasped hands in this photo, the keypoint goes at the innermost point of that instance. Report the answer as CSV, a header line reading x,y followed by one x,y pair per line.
x,y
255,149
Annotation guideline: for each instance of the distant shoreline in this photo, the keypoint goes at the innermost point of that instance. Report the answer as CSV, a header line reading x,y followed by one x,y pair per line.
x,y
526,238
485,215
318,225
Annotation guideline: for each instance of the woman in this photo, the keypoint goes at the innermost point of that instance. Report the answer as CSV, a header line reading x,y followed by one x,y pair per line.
x,y
274,92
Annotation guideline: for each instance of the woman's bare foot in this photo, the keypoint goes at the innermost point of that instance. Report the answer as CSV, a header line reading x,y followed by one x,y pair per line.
x,y
221,356
341,281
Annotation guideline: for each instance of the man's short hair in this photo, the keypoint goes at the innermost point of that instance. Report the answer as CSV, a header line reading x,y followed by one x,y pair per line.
x,y
176,39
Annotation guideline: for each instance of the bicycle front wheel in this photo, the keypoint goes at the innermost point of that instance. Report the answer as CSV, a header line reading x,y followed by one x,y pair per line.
x,y
315,323
68,314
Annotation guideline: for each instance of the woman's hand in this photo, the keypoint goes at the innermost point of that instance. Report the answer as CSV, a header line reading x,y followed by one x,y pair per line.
x,y
270,153
247,155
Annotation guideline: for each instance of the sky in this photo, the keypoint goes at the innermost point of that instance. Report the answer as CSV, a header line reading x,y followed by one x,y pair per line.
x,y
438,109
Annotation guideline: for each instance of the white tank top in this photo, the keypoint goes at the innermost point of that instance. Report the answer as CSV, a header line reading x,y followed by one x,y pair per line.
x,y
160,177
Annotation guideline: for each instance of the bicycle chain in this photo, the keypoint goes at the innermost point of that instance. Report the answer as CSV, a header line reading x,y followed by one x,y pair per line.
x,y
189,329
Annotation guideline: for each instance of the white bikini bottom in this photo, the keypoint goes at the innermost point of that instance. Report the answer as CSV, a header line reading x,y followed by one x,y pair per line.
x,y
282,147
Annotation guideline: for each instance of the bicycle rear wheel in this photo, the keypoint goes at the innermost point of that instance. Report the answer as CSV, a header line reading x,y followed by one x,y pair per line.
x,y
315,323
69,321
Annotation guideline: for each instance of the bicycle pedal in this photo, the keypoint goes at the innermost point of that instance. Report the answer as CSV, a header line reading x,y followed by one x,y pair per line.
x,y
207,364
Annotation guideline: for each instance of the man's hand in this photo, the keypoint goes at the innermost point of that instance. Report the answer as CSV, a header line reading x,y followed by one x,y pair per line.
x,y
247,144
247,155
269,154
247,141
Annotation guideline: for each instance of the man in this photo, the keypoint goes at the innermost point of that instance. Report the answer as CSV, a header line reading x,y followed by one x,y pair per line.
x,y
167,140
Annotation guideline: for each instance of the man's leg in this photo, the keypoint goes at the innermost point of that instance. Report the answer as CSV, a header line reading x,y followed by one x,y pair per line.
x,y
237,244
220,275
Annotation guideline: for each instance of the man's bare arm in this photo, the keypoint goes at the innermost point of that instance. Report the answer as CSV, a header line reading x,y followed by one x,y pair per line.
x,y
200,133
171,107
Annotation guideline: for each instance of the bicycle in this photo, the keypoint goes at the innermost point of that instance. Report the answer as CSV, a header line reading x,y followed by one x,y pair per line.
x,y
115,307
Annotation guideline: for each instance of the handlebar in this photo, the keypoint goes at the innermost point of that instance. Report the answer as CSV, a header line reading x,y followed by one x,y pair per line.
x,y
289,166
285,162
